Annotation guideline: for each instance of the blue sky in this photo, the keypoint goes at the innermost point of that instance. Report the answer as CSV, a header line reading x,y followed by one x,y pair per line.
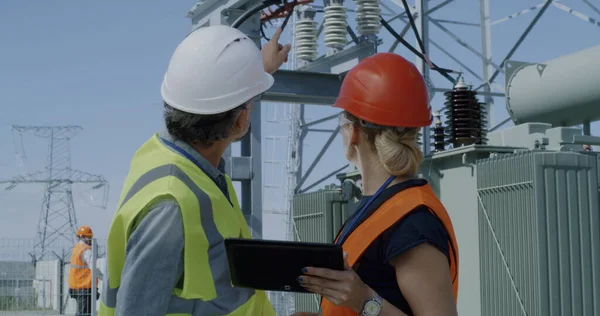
x,y
100,64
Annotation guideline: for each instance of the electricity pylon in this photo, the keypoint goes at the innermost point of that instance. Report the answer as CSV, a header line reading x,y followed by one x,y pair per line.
x,y
58,221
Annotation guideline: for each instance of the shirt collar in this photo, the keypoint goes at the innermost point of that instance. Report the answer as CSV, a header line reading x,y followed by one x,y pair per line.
x,y
206,166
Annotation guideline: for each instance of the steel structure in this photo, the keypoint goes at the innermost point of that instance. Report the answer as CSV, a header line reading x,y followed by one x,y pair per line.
x,y
350,31
318,88
317,80
58,221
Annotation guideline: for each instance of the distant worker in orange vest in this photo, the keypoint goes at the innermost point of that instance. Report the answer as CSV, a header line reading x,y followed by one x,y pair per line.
x,y
400,249
80,273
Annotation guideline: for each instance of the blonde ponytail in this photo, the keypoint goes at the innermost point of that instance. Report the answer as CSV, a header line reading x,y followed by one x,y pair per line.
x,y
396,147
398,151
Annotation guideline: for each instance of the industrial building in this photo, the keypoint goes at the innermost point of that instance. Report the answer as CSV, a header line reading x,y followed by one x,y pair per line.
x,y
524,199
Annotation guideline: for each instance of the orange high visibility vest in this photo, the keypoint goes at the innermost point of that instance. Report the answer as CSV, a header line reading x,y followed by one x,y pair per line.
x,y
80,275
388,214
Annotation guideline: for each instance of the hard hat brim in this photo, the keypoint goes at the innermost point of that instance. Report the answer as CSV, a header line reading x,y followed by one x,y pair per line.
x,y
234,100
366,112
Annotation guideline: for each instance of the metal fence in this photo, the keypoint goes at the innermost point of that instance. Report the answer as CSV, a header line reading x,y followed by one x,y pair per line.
x,y
32,283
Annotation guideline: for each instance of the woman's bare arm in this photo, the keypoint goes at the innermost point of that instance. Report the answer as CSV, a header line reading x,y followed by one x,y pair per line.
x,y
423,275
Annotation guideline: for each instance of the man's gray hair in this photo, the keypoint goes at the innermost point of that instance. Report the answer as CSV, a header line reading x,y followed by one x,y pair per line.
x,y
203,130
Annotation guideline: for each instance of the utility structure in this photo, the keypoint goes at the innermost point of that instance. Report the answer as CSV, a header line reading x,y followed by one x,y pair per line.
x,y
57,222
323,52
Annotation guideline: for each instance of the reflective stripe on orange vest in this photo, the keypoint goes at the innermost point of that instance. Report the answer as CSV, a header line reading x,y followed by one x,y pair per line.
x,y
388,214
80,275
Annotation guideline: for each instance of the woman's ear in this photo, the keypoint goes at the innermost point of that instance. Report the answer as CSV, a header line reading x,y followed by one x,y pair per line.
x,y
354,135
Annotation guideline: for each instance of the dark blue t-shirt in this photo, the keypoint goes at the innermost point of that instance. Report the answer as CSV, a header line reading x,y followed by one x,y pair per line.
x,y
418,227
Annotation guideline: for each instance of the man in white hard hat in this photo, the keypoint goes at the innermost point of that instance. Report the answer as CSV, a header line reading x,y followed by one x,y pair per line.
x,y
165,246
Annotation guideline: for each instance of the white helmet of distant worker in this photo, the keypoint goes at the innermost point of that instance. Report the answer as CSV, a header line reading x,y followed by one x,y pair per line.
x,y
213,70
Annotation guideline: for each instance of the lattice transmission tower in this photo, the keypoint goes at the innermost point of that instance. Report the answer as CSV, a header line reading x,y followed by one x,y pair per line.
x,y
58,221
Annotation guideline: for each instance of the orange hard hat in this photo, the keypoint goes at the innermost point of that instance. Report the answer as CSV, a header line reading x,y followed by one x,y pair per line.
x,y
386,89
85,231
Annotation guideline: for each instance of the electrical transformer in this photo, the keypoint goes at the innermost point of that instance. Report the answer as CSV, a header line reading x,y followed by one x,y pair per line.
x,y
525,210
526,215
318,216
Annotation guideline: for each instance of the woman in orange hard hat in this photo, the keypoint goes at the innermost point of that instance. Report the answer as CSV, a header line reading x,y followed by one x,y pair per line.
x,y
80,273
400,250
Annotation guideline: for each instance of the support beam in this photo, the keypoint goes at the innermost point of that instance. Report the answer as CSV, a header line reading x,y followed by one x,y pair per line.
x,y
327,176
239,168
587,128
456,60
457,22
402,33
592,6
349,55
463,43
304,87
497,126
430,11
437,7
251,148
211,12
518,14
321,120
519,42
443,72
245,169
577,14
486,51
493,94
321,130
422,35
317,159
300,149
94,276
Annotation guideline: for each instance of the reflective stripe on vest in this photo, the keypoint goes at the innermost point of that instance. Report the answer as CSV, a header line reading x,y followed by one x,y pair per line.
x,y
228,298
388,214
73,266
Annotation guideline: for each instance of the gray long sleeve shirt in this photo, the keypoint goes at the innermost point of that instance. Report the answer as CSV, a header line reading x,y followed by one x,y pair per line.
x,y
154,253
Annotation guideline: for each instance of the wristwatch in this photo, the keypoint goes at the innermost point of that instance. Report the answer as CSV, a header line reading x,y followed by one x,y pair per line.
x,y
373,306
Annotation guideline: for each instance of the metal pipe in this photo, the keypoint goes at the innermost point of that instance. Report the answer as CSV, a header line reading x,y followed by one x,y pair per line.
x,y
94,276
561,92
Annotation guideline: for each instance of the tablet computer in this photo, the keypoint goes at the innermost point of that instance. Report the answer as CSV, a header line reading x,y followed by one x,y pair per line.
x,y
275,265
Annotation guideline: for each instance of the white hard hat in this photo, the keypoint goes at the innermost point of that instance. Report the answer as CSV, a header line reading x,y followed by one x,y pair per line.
x,y
213,70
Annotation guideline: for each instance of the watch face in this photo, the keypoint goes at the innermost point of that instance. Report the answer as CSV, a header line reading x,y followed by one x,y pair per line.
x,y
372,308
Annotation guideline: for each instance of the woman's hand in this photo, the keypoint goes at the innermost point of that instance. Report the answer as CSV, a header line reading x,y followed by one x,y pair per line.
x,y
342,288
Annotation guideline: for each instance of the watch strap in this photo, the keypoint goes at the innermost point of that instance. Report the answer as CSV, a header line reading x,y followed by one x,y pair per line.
x,y
378,300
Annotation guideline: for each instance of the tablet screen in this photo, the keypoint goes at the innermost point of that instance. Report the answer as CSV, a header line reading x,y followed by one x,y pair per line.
x,y
275,265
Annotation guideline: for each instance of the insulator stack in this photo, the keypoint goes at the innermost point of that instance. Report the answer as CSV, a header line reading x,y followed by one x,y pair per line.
x,y
367,17
335,24
419,138
438,134
306,34
466,123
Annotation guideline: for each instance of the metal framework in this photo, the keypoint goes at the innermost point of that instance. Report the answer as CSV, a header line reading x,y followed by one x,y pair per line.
x,y
317,81
58,221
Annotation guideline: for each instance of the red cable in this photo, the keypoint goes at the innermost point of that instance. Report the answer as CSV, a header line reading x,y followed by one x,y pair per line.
x,y
281,11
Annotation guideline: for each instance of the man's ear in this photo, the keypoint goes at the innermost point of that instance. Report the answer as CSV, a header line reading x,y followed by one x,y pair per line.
x,y
241,120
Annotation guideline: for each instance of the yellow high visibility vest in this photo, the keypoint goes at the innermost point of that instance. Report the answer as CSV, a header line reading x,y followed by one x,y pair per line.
x,y
157,172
